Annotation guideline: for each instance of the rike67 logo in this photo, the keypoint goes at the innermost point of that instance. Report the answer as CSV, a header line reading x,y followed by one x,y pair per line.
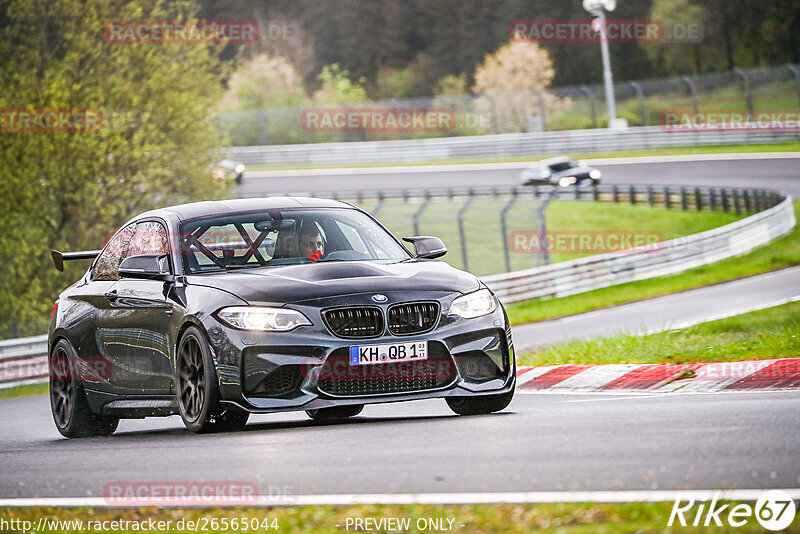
x,y
774,510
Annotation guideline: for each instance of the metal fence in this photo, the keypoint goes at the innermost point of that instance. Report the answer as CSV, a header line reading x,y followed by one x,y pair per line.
x,y
642,103
504,145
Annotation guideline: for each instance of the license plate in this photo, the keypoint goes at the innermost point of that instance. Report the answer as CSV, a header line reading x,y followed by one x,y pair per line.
x,y
390,353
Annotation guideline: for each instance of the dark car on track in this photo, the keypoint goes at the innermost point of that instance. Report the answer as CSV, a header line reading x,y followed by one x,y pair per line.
x,y
216,310
562,171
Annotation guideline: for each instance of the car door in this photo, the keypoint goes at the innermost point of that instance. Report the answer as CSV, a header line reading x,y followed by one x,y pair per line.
x,y
86,307
135,329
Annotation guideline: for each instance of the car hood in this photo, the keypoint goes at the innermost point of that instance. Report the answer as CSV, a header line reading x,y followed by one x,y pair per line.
x,y
295,283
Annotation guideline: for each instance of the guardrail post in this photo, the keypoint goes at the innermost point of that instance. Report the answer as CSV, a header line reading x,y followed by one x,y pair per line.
x,y
683,198
794,70
632,195
595,193
712,199
461,233
418,213
650,195
590,98
640,97
748,93
747,202
541,212
378,207
615,194
736,202
725,206
495,127
504,227
692,92
667,198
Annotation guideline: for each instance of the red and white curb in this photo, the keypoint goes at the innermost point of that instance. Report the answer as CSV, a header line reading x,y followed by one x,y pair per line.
x,y
756,375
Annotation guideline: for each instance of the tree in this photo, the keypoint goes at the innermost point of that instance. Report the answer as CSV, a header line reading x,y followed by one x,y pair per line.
x,y
69,190
338,88
264,82
512,81
516,66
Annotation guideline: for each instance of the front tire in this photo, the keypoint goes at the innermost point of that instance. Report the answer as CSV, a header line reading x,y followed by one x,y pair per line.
x,y
68,404
335,412
480,405
198,393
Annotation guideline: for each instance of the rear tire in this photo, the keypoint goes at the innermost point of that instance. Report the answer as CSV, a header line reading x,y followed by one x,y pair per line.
x,y
68,404
198,393
480,405
335,412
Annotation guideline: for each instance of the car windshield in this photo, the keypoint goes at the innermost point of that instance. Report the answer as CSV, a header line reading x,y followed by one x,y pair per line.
x,y
284,237
563,165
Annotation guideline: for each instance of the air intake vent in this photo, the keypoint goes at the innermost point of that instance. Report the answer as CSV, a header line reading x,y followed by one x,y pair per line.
x,y
412,318
355,322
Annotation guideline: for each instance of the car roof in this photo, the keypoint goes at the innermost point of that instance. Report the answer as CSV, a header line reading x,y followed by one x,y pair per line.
x,y
221,207
557,159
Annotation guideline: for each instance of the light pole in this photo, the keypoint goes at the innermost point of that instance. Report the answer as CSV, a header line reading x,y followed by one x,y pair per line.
x,y
598,8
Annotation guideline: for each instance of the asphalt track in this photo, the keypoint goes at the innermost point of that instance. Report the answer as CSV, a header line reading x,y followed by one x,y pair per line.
x,y
776,171
542,442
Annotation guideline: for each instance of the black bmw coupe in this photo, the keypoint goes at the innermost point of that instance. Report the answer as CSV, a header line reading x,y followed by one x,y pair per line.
x,y
216,310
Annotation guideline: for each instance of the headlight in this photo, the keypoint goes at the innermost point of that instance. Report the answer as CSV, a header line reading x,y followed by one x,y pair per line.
x,y
264,319
475,304
567,181
239,168
594,174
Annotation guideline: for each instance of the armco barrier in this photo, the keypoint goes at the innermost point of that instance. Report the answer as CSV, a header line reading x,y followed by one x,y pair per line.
x,y
503,145
25,360
604,270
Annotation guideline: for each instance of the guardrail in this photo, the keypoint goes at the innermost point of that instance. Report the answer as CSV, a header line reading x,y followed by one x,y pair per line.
x,y
25,360
504,145
669,257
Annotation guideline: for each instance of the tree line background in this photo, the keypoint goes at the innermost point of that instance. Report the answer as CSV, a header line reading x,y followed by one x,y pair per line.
x,y
402,48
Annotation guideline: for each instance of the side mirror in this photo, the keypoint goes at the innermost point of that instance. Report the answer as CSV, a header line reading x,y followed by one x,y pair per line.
x,y
426,246
146,267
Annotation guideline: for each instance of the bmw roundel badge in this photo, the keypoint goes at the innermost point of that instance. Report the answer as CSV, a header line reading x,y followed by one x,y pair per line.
x,y
380,298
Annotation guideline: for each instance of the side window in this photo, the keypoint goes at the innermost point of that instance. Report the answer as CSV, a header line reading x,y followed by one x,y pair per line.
x,y
149,238
107,265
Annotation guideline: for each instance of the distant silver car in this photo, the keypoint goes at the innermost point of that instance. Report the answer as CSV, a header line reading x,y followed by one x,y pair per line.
x,y
562,170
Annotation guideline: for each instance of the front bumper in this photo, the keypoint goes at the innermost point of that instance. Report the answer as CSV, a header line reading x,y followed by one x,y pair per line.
x,y
298,370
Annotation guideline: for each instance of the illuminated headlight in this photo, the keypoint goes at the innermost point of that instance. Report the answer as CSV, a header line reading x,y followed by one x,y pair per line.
x,y
594,174
566,181
264,319
239,168
475,304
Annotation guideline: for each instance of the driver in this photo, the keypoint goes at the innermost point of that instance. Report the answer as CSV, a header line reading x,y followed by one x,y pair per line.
x,y
310,242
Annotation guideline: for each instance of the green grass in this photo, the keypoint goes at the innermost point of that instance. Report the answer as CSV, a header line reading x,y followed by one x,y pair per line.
x,y
577,518
765,334
485,254
24,391
782,252
788,146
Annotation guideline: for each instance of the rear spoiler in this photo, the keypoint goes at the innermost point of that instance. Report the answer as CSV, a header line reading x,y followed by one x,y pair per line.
x,y
59,257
